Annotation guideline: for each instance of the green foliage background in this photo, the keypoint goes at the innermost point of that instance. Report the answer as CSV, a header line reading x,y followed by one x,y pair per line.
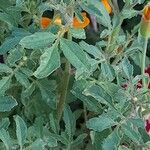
x,y
65,90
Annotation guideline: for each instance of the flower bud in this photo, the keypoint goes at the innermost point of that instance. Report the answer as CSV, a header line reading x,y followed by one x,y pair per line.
x,y
145,22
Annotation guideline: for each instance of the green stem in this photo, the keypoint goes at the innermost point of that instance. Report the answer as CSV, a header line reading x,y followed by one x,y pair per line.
x,y
63,93
64,88
143,62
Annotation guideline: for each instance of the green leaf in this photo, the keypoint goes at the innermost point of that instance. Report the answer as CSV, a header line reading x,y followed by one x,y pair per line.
x,y
131,133
77,33
129,13
75,55
123,148
38,145
4,85
38,40
7,103
79,140
92,50
28,91
50,141
5,137
4,68
100,123
49,62
9,44
7,19
22,79
14,56
107,71
21,130
111,142
89,102
53,123
4,123
99,94
127,68
69,120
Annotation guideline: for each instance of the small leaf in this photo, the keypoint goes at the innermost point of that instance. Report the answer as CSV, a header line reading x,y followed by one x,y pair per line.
x,y
92,50
69,120
38,145
4,123
21,130
75,55
5,137
77,33
4,85
100,123
107,71
127,68
7,103
22,79
4,68
111,142
49,62
38,40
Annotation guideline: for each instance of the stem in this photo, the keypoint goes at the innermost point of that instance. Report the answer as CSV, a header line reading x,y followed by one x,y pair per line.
x,y
63,94
64,88
143,62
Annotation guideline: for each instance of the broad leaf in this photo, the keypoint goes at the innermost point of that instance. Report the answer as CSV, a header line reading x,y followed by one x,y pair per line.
x,y
7,103
49,62
21,130
38,40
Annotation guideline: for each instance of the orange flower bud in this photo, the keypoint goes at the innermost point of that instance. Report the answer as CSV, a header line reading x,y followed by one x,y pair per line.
x,y
107,6
145,22
81,24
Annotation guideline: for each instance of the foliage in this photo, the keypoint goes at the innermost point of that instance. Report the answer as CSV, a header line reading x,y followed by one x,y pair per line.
x,y
67,87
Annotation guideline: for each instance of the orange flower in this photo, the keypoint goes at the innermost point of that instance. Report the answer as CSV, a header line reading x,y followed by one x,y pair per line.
x,y
145,22
81,24
45,22
107,6
147,13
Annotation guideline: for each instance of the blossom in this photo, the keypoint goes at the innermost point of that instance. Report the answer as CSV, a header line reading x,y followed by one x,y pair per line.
x,y
81,24
145,22
107,6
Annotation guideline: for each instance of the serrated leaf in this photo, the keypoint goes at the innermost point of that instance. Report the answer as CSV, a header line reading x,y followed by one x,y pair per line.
x,y
22,79
75,55
111,142
38,40
21,130
7,103
77,33
100,123
49,62
5,137
127,68
69,120
4,68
